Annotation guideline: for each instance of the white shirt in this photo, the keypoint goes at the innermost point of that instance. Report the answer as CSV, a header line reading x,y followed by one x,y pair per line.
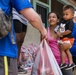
x,y
19,17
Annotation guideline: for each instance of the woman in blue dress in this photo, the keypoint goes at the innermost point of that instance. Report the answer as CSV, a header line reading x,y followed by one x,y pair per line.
x,y
73,49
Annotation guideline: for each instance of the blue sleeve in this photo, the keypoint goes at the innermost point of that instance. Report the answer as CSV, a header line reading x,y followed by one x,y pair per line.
x,y
21,4
74,31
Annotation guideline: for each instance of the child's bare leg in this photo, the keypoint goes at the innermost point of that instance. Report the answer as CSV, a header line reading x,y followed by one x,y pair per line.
x,y
63,56
63,53
69,56
71,65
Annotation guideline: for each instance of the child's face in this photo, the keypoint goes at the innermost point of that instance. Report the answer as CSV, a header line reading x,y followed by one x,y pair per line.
x,y
52,19
68,14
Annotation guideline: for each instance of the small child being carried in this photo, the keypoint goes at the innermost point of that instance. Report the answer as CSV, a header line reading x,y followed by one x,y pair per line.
x,y
64,31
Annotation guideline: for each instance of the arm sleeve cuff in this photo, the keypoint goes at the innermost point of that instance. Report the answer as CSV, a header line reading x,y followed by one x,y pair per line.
x,y
21,4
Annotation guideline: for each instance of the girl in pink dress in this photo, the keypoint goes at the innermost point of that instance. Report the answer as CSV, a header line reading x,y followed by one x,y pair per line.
x,y
53,19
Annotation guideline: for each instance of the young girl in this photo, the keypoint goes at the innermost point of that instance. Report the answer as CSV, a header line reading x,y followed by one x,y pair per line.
x,y
53,19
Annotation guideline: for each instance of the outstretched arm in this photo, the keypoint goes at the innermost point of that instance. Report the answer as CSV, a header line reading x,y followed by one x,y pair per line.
x,y
35,20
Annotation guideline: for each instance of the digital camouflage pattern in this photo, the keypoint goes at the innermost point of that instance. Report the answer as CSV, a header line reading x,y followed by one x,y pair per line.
x,y
5,24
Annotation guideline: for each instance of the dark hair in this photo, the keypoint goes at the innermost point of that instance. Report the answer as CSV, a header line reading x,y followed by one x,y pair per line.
x,y
55,13
69,7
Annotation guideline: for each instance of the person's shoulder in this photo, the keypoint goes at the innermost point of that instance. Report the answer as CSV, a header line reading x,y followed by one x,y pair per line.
x,y
21,4
70,22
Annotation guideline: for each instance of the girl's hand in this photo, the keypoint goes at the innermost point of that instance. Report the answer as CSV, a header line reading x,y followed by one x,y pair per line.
x,y
58,33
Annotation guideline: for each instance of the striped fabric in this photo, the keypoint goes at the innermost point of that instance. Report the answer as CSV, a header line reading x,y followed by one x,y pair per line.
x,y
19,17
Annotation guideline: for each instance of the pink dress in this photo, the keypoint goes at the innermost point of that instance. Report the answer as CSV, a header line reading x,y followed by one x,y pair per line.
x,y
54,47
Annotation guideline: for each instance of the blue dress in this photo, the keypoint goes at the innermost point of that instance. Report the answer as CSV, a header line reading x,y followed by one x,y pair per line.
x,y
73,49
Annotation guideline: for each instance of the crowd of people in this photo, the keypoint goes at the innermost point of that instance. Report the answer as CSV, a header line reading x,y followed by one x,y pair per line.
x,y
61,35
